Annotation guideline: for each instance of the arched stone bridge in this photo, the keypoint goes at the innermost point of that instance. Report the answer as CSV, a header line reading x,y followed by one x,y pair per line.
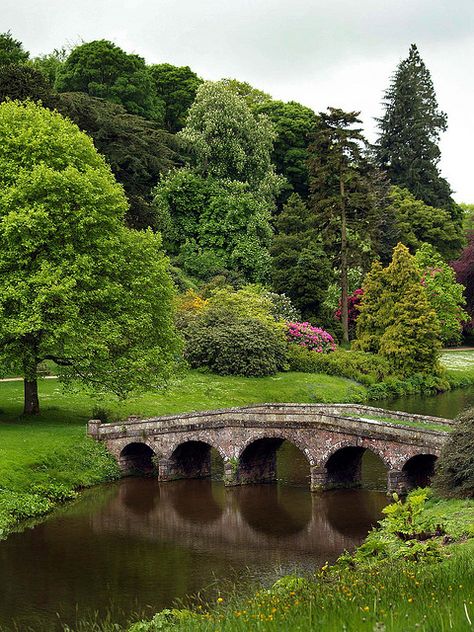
x,y
333,439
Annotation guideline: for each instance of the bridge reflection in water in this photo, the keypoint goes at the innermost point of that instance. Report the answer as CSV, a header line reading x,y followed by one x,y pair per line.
x,y
271,523
141,544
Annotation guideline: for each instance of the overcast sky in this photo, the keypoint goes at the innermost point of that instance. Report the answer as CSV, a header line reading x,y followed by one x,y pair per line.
x,y
317,52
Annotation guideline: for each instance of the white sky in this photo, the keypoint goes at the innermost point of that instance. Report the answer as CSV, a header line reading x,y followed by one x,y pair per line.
x,y
317,52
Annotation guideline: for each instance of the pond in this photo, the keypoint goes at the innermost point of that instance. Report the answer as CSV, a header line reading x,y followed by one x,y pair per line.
x,y
447,405
138,545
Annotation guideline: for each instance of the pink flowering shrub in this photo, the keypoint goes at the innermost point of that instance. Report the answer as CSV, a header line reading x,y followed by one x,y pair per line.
x,y
312,338
353,303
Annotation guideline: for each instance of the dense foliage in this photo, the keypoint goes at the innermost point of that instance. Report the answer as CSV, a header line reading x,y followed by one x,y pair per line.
x,y
454,476
102,69
213,226
464,269
176,88
235,333
77,287
137,151
444,294
21,82
396,319
227,141
293,124
11,50
300,266
417,223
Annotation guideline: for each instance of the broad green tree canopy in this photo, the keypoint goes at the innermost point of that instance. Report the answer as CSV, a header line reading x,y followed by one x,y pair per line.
x,y
176,88
76,286
102,69
228,141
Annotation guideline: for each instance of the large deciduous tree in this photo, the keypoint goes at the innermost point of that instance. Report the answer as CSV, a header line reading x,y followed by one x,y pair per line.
x,y
76,286
102,69
343,197
415,223
293,124
227,141
410,129
213,226
445,295
176,88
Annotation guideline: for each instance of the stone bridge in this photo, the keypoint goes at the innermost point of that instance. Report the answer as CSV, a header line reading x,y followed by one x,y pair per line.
x,y
333,438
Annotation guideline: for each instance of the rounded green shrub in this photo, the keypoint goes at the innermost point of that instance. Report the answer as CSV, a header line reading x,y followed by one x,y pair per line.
x,y
235,345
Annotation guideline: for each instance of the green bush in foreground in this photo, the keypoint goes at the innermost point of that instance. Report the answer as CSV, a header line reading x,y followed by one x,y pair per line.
x,y
455,468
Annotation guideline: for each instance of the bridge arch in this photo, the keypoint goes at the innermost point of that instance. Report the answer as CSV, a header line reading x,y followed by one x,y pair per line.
x,y
344,464
257,458
418,470
193,458
137,457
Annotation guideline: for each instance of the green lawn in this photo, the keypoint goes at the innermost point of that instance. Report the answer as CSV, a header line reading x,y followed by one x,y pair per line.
x,y
459,363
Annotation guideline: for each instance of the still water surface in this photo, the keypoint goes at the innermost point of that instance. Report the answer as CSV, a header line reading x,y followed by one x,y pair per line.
x,y
138,545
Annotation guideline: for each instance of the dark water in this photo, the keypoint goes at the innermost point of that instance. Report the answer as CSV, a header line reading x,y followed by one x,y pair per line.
x,y
138,545
447,405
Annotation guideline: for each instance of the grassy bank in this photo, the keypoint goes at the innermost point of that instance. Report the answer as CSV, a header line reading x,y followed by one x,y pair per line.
x,y
387,585
45,458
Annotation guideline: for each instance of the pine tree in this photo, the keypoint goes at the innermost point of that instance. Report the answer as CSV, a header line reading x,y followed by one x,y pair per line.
x,y
343,197
410,129
300,267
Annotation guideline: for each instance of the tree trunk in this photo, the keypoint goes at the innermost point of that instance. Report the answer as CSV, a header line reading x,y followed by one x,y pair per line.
x,y
344,283
30,380
31,406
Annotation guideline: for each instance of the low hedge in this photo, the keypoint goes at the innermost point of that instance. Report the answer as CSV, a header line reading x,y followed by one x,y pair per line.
x,y
368,369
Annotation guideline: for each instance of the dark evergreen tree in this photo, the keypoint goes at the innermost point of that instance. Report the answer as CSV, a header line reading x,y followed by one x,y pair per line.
x,y
137,151
343,198
300,267
21,82
410,128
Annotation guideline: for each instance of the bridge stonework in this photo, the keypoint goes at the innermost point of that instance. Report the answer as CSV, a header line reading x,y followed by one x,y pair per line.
x,y
332,438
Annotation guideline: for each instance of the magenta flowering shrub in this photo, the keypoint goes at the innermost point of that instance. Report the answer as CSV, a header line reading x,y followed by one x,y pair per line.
x,y
312,338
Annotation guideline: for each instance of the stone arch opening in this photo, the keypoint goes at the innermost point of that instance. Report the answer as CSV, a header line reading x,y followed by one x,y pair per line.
x,y
266,461
195,459
137,458
418,471
356,466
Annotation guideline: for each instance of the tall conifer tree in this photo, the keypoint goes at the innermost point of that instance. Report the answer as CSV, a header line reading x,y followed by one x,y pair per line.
x,y
343,197
410,129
